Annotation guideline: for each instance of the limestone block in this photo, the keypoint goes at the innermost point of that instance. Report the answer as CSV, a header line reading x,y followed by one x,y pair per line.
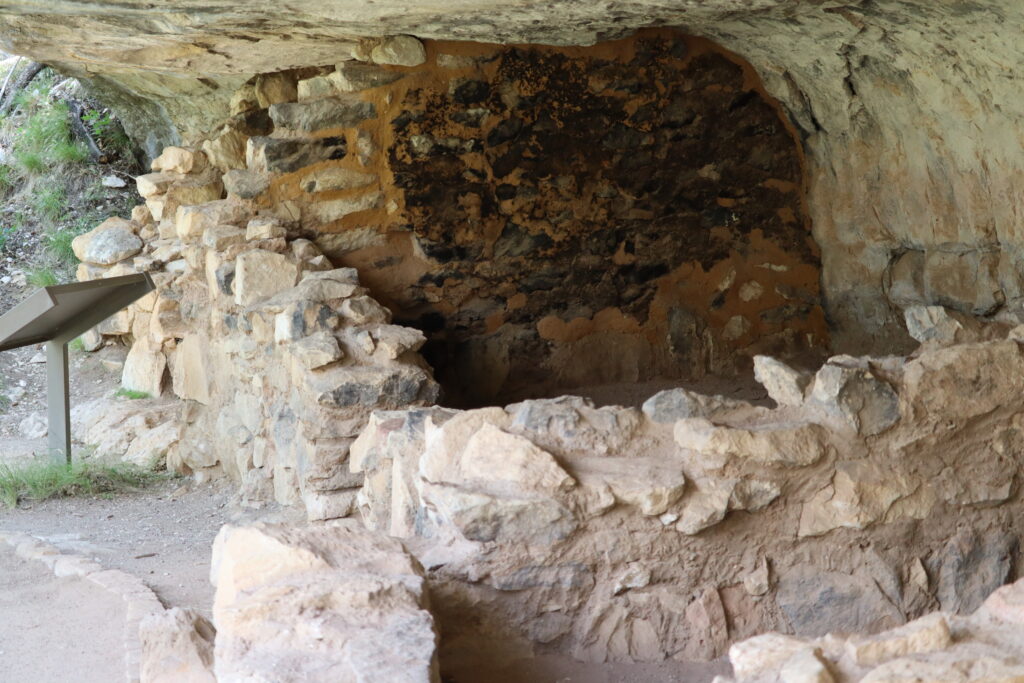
x,y
785,385
335,178
362,310
354,76
111,241
245,184
286,155
144,368
156,206
151,184
862,493
783,444
227,150
315,87
341,111
959,382
944,326
220,237
304,250
189,370
399,51
369,595
336,209
316,351
192,190
967,668
89,271
704,507
118,324
927,634
177,647
325,505
649,484
394,340
141,215
166,322
149,448
260,274
805,666
497,486
666,407
92,340
179,160
190,222
868,404
271,89
264,228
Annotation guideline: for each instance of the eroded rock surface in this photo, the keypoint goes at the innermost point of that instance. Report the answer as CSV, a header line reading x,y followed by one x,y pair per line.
x,y
325,603
984,646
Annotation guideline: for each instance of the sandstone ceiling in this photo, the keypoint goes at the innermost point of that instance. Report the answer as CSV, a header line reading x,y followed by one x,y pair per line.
x,y
907,108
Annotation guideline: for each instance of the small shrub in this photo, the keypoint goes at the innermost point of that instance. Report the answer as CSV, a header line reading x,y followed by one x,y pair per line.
x,y
41,277
130,394
40,480
77,344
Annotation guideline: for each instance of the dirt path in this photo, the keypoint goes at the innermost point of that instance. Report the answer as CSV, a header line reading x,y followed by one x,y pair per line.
x,y
57,630
163,535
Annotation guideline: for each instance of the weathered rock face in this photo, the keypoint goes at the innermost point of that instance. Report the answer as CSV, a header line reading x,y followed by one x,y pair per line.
x,y
986,645
325,603
912,154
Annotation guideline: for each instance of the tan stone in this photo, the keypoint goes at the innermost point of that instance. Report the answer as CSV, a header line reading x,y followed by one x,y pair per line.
x,y
260,274
189,371
275,88
177,647
316,351
152,184
190,222
373,624
927,634
179,160
782,444
144,368
227,150
400,51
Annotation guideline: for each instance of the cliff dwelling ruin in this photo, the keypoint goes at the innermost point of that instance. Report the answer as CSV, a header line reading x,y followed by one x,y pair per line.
x,y
620,341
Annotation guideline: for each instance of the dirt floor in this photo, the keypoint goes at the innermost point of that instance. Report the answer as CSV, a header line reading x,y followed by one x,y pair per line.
x,y
162,535
57,630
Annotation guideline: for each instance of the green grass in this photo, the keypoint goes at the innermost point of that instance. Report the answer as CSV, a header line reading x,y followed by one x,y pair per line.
x,y
50,204
130,394
77,344
58,243
47,479
44,140
41,277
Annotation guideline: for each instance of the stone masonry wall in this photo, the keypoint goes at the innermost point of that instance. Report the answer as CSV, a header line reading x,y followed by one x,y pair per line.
x,y
877,489
550,218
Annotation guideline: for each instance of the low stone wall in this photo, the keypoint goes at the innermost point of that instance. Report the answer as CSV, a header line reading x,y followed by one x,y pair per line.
x,y
878,489
984,646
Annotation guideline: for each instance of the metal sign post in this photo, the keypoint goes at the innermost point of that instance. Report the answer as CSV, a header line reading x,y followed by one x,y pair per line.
x,y
56,315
